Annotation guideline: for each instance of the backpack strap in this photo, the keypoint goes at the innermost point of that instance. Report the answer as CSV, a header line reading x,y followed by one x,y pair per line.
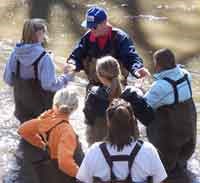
x,y
174,86
45,137
189,85
35,64
18,69
108,159
132,156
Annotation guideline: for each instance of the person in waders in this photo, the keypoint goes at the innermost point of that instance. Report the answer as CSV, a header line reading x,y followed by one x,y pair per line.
x,y
99,97
103,39
121,157
31,72
53,133
174,130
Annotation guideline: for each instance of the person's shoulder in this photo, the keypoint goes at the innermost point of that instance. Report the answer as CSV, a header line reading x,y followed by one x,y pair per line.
x,y
86,35
148,149
120,33
160,84
186,72
94,148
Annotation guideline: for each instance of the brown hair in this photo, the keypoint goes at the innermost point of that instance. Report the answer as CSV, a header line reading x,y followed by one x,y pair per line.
x,y
164,58
31,26
108,67
122,124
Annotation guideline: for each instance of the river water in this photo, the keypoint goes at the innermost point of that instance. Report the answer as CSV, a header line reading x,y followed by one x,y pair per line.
x,y
153,25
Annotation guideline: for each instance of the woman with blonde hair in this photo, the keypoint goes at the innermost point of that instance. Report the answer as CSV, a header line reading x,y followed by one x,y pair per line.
x,y
99,97
31,72
108,72
53,132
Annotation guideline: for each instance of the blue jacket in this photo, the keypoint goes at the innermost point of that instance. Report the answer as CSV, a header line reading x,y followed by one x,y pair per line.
x,y
123,48
27,54
161,92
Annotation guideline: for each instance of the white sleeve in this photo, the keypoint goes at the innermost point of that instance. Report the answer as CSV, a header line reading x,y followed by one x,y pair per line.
x,y
157,169
85,173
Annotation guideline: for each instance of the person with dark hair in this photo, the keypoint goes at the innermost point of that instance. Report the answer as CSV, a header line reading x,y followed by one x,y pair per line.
x,y
164,59
173,132
121,156
102,39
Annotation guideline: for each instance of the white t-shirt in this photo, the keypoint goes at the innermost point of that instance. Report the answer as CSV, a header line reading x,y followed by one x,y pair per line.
x,y
146,163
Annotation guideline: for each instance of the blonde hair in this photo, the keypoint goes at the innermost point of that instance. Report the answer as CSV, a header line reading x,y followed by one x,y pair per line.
x,y
66,100
107,67
31,26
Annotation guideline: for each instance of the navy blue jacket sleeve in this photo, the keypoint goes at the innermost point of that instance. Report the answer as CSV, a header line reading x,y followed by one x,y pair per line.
x,y
79,52
127,53
142,110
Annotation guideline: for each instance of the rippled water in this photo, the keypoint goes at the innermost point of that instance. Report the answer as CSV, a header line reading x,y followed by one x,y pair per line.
x,y
153,24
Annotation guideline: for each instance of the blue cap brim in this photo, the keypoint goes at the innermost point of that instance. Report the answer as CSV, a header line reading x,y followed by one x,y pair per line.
x,y
84,24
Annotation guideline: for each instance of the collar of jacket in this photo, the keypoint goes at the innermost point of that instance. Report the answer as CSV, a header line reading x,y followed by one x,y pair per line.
x,y
50,119
167,73
93,38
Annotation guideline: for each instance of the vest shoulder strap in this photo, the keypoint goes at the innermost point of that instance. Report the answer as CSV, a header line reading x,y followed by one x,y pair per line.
x,y
130,158
45,137
35,65
174,86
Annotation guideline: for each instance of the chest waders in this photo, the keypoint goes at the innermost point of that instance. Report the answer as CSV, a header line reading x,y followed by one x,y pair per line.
x,y
89,63
47,169
30,98
96,103
125,158
173,132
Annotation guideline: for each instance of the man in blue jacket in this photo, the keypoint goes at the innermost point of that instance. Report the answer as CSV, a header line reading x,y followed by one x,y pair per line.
x,y
173,132
103,39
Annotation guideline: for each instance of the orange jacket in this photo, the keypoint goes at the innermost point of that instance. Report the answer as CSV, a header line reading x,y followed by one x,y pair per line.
x,y
62,140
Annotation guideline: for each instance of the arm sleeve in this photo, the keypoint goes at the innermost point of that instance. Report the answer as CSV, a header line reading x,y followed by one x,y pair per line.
x,y
47,75
142,110
29,131
157,169
9,68
130,58
66,150
79,53
155,95
85,172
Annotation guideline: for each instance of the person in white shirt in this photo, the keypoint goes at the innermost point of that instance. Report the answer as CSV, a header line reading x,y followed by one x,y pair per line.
x,y
121,156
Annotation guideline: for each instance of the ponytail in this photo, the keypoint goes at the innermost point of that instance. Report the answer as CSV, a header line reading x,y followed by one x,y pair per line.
x,y
115,88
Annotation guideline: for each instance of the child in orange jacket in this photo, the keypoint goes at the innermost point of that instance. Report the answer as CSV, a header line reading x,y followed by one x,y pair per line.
x,y
52,131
